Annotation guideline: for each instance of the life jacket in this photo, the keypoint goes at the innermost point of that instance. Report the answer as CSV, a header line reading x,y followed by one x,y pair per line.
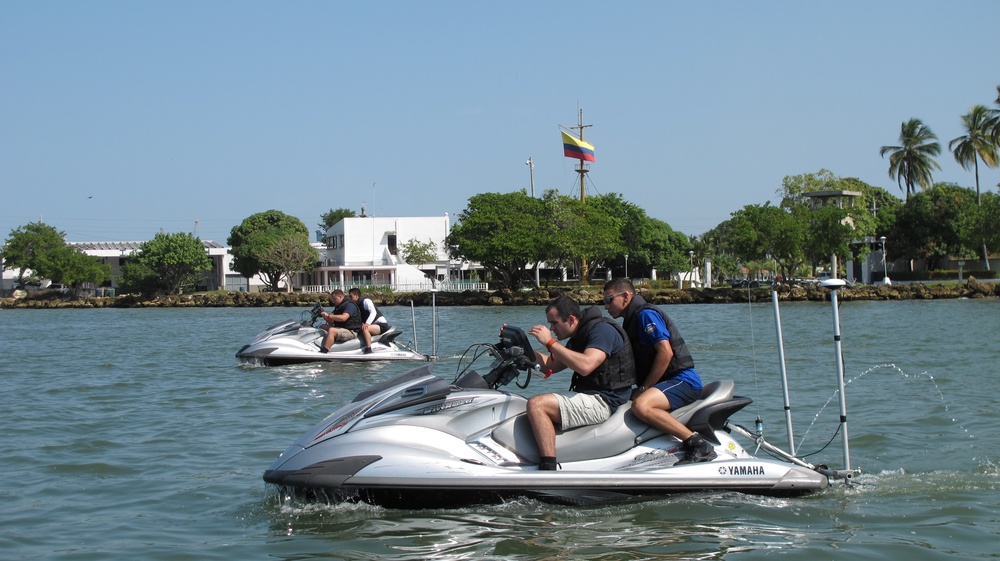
x,y
353,322
616,372
645,354
365,311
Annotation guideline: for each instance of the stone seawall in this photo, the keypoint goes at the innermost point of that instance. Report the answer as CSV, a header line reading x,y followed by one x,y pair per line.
x,y
534,297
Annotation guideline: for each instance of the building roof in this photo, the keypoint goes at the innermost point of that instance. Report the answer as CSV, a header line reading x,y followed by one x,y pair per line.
x,y
128,246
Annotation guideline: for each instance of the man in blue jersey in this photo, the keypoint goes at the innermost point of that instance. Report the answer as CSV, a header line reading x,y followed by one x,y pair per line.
x,y
664,369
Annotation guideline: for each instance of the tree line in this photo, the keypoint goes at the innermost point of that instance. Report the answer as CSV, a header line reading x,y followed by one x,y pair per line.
x,y
512,234
912,163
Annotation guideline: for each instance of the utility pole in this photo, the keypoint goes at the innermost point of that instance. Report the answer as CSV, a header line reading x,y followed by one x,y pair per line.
x,y
531,174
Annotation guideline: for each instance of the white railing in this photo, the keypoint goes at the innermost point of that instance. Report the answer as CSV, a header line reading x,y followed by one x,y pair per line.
x,y
450,286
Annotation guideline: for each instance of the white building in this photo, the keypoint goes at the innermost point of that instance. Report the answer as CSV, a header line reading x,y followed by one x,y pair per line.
x,y
367,251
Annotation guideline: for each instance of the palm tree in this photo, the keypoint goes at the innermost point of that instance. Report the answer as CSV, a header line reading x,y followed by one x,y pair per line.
x,y
911,162
977,143
996,120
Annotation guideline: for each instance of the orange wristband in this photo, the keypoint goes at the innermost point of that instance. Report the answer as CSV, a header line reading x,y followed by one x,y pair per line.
x,y
551,342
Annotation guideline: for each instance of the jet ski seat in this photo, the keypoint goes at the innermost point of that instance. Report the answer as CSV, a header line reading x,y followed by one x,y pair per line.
x,y
619,433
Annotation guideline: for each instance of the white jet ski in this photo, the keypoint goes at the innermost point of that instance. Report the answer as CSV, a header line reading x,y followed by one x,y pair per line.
x,y
419,441
294,342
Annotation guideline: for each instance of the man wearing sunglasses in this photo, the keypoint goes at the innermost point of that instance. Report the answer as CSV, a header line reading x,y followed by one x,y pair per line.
x,y
664,369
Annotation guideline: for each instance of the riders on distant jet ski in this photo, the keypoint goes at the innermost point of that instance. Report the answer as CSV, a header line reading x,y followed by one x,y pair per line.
x,y
343,324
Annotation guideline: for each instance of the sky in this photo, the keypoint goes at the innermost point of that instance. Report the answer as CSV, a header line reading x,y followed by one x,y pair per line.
x,y
121,119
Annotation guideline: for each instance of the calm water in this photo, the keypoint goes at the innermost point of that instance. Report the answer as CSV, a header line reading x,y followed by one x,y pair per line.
x,y
134,434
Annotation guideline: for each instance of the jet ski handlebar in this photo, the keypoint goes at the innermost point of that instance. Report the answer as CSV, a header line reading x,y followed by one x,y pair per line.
x,y
513,354
517,345
314,314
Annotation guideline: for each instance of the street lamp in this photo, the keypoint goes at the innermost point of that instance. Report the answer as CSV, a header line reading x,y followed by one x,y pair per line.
x,y
691,255
626,265
885,270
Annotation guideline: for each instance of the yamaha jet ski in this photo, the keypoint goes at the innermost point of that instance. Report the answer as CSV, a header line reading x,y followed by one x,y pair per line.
x,y
419,441
293,342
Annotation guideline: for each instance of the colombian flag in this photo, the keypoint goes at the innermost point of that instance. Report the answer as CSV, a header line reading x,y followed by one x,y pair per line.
x,y
576,148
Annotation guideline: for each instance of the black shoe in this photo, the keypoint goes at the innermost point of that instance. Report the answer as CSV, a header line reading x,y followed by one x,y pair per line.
x,y
323,349
697,449
368,350
548,464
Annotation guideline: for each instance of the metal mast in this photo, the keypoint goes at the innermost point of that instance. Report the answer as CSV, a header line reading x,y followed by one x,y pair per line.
x,y
582,170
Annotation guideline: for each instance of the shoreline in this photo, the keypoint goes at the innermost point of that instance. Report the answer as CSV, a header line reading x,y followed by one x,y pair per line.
x,y
586,295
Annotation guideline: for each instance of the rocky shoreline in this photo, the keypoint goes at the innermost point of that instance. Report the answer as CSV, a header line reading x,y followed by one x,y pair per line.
x,y
589,295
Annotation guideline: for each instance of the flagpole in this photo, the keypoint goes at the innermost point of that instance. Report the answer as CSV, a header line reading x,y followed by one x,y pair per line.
x,y
584,272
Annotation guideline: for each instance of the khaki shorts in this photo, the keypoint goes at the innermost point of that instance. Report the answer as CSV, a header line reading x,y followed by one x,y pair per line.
x,y
344,334
581,409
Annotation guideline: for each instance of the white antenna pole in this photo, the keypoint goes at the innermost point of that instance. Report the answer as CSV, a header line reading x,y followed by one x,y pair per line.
x,y
833,285
413,322
434,322
784,373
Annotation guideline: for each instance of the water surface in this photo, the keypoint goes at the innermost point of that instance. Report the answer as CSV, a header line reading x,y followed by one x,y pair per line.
x,y
136,434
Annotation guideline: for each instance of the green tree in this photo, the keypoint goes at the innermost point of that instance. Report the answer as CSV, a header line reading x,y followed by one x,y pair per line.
x,y
251,244
43,250
138,279
911,163
334,215
289,254
978,143
416,252
578,231
996,120
669,247
168,262
69,266
855,221
884,207
794,188
725,264
989,219
829,233
937,223
760,231
641,238
28,245
504,232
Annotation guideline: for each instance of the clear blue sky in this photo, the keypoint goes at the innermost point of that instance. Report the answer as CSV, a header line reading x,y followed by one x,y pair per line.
x,y
119,118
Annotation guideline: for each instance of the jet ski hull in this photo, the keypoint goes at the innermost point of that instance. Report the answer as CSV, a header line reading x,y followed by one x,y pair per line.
x,y
418,441
290,342
458,483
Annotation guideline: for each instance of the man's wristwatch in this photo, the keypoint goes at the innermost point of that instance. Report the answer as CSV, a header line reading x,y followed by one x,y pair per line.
x,y
642,389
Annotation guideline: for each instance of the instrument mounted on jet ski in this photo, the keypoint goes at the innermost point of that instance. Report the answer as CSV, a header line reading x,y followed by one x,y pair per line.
x,y
418,441
293,342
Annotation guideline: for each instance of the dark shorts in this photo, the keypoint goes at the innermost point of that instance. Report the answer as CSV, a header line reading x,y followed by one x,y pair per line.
x,y
679,393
